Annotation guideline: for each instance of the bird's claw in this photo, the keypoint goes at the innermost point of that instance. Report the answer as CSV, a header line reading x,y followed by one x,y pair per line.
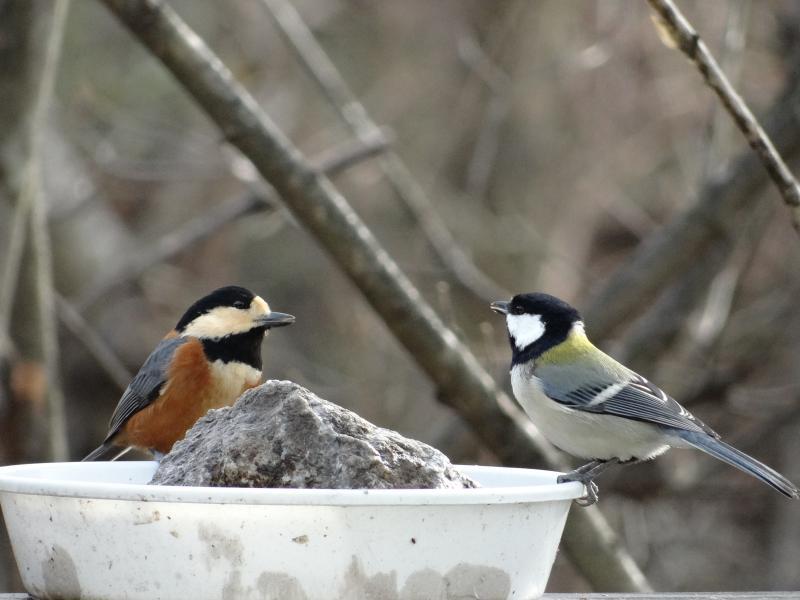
x,y
590,497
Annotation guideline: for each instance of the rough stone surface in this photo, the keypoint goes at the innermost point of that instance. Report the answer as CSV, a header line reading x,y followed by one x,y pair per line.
x,y
282,435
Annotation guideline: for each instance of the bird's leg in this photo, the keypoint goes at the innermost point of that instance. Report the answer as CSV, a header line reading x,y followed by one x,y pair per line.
x,y
585,474
588,471
122,453
584,468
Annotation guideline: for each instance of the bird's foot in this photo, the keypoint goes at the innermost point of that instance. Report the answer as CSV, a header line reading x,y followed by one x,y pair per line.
x,y
585,474
591,496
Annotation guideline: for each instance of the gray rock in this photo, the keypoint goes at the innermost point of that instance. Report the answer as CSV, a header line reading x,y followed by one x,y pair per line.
x,y
281,435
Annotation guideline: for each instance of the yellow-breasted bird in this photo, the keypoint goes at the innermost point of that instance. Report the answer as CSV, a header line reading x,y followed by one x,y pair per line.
x,y
211,357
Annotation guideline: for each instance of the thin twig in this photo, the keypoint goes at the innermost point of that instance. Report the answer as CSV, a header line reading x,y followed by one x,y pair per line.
x,y
40,238
104,354
655,332
719,128
259,199
13,260
709,284
353,152
333,86
326,214
484,152
713,217
750,340
716,311
173,243
683,36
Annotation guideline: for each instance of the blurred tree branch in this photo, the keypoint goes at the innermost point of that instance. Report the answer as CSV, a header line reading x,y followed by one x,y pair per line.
x,y
656,331
41,243
105,356
719,131
342,157
325,74
498,106
751,339
713,217
678,32
13,252
28,271
259,199
461,380
175,242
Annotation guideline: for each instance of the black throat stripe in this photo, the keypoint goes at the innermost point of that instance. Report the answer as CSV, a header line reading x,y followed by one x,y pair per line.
x,y
555,332
241,347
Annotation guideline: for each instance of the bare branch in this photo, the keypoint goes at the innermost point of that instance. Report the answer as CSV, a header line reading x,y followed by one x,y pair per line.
x,y
13,259
713,217
654,333
96,345
175,242
335,160
461,380
40,238
325,74
342,157
683,36
719,130
497,108
750,340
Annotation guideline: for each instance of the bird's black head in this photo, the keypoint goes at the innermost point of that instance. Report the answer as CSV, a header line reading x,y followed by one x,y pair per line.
x,y
231,323
536,322
231,296
229,311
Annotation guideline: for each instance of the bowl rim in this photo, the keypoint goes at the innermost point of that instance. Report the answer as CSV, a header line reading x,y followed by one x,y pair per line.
x,y
27,479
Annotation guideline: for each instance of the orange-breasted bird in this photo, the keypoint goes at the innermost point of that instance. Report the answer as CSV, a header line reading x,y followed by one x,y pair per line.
x,y
211,357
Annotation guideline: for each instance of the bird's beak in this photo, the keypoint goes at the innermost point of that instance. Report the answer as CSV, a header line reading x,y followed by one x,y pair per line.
x,y
275,319
500,307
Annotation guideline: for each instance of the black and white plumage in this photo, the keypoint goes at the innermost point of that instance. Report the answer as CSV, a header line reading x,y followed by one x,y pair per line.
x,y
593,407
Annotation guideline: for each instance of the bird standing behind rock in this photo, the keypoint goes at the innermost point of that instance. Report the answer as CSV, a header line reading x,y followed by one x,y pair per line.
x,y
207,361
280,435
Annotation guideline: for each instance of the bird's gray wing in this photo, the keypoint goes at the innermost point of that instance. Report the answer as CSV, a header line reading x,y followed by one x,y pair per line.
x,y
635,398
146,385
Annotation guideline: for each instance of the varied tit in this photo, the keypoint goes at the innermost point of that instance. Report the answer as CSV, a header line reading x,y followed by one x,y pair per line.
x,y
593,407
207,361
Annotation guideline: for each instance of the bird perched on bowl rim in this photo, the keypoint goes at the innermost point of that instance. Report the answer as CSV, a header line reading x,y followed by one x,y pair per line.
x,y
211,357
593,407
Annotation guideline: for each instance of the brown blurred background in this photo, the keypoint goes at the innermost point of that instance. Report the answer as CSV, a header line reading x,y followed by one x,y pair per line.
x,y
551,138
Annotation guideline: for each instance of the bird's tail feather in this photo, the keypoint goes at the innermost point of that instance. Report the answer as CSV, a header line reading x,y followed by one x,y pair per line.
x,y
740,460
106,451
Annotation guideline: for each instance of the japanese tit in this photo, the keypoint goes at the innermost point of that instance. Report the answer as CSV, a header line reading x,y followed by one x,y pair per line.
x,y
591,406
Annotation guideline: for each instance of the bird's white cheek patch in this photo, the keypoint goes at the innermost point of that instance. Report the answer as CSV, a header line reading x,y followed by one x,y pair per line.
x,y
525,329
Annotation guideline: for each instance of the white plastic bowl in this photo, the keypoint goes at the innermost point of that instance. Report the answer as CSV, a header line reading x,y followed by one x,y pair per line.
x,y
95,530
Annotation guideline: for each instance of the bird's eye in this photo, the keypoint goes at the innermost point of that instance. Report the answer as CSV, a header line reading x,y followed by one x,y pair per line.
x,y
239,304
517,310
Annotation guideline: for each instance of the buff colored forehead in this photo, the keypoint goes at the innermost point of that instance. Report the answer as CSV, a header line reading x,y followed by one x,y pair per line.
x,y
259,303
222,321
